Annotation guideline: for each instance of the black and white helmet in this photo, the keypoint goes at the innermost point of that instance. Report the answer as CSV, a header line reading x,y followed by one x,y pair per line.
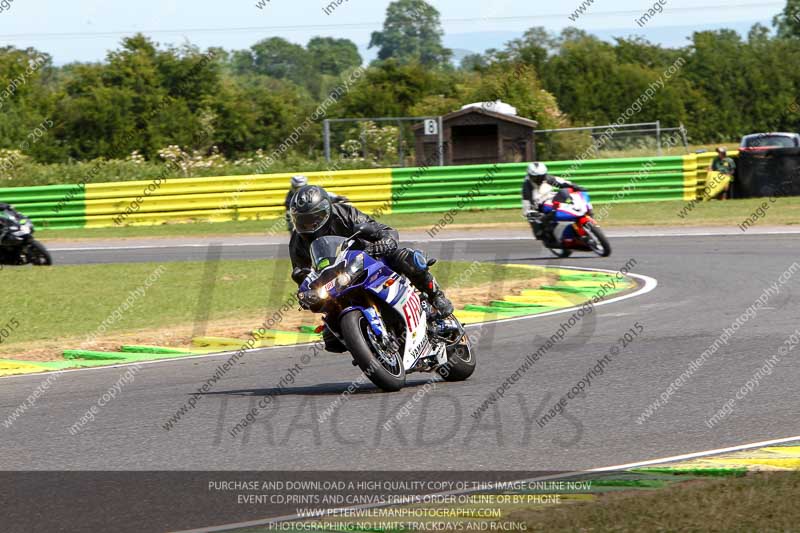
x,y
310,209
536,172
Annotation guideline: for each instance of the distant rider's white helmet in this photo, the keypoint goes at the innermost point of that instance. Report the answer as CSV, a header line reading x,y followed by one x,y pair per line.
x,y
537,171
299,181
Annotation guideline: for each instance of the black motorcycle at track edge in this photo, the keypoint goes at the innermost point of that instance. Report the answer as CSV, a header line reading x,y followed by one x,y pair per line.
x,y
17,245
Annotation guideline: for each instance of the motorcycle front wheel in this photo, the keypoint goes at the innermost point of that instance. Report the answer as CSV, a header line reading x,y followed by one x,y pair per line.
x,y
383,368
38,254
596,240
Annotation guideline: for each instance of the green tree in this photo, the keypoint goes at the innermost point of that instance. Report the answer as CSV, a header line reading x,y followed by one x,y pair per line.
x,y
532,48
714,67
640,51
449,91
332,56
518,85
412,32
391,89
278,58
258,112
581,75
788,21
771,68
25,98
474,62
143,98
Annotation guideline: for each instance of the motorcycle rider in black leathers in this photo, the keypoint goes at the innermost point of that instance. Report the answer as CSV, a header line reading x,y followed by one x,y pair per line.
x,y
537,189
314,215
4,222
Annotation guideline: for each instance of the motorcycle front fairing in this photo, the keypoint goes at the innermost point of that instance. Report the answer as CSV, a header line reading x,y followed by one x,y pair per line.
x,y
15,228
578,207
570,217
355,271
348,274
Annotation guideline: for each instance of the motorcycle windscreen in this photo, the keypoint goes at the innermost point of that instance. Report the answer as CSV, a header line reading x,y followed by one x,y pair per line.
x,y
325,250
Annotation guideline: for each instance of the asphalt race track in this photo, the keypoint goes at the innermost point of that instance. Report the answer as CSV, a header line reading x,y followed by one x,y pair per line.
x,y
704,283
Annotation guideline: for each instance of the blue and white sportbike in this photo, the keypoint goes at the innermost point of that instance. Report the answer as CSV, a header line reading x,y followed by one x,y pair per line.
x,y
389,328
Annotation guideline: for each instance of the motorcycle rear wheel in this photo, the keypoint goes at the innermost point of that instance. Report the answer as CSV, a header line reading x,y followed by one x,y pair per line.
x,y
460,361
385,370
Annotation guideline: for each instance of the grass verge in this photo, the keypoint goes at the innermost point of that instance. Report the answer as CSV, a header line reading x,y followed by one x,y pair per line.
x,y
98,306
757,502
729,213
727,502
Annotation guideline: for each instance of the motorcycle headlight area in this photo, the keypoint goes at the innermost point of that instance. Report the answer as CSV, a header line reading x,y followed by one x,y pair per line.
x,y
351,271
320,289
338,275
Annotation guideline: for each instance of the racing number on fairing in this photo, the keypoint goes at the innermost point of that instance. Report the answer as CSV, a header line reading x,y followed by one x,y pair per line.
x,y
412,310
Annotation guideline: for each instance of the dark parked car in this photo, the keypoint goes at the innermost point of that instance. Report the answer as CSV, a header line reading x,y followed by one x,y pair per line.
x,y
768,162
767,141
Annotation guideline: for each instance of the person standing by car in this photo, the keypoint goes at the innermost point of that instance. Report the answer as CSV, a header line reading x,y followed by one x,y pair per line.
x,y
724,165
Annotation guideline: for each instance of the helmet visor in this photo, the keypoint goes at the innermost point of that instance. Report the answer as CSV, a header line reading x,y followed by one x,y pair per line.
x,y
313,220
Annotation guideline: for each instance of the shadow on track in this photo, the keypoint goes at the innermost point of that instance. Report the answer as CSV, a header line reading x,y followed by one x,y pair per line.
x,y
549,258
322,389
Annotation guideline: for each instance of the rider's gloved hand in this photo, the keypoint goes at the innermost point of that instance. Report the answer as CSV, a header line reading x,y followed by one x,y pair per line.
x,y
300,274
381,247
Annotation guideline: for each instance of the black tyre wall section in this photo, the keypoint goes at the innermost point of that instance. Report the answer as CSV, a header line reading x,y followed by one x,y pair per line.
x,y
774,172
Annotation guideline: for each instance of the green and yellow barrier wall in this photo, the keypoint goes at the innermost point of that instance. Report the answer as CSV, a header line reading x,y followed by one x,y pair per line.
x,y
376,191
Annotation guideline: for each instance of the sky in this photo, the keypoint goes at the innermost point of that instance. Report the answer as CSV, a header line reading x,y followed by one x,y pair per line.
x,y
84,30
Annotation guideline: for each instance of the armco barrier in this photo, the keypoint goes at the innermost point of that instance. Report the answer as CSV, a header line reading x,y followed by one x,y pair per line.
x,y
499,186
375,191
251,197
53,206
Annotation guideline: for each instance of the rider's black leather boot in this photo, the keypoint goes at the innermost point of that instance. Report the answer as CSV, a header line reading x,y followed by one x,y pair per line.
x,y
428,285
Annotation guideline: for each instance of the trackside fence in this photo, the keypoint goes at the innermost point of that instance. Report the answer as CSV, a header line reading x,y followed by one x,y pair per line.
x,y
381,191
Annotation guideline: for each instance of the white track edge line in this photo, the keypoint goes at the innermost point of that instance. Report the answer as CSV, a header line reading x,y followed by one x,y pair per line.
x,y
430,240
628,466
